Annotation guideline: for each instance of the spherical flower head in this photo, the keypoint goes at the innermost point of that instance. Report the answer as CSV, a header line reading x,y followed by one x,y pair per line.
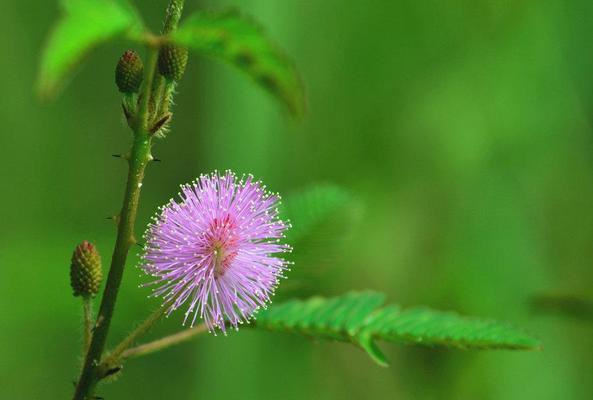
x,y
218,250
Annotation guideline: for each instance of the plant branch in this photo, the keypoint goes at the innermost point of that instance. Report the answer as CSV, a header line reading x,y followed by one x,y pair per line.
x,y
163,343
139,158
114,357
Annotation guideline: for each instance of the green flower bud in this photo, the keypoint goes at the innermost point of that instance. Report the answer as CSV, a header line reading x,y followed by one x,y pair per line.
x,y
85,270
129,72
172,62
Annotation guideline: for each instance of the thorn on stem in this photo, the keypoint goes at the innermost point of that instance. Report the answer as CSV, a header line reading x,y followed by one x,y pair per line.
x,y
114,218
124,156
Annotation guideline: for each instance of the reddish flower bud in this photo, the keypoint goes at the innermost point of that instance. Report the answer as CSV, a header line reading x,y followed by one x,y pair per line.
x,y
129,72
86,274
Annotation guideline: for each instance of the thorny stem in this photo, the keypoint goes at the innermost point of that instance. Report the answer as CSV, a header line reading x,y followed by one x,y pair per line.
x,y
139,157
164,342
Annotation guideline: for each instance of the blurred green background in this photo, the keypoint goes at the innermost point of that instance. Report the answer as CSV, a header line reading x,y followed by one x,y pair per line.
x,y
462,128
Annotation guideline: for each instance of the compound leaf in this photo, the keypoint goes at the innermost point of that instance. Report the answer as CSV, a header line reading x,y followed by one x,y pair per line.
x,y
240,41
358,318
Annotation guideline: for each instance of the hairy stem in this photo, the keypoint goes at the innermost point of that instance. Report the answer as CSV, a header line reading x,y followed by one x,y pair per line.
x,y
87,323
163,343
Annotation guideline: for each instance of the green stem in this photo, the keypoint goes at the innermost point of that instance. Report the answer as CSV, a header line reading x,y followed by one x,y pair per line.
x,y
143,119
88,323
113,359
174,11
164,342
160,85
139,157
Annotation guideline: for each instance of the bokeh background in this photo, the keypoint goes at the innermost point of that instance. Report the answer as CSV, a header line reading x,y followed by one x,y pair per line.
x,y
462,128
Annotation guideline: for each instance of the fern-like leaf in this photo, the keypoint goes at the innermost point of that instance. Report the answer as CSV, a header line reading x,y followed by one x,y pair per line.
x,y
83,25
240,41
358,318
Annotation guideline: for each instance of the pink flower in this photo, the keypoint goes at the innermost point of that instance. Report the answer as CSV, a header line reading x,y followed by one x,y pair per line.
x,y
217,250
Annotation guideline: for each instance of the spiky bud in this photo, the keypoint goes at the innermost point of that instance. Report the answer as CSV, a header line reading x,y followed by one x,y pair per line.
x,y
129,72
172,62
85,270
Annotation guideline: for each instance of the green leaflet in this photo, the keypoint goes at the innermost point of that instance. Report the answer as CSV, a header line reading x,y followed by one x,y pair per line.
x,y
357,318
83,25
240,41
311,207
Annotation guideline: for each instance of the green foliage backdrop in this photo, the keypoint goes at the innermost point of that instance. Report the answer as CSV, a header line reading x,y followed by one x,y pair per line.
x,y
462,130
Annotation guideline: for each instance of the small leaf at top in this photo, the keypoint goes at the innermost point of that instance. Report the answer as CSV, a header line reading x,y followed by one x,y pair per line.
x,y
240,41
83,25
